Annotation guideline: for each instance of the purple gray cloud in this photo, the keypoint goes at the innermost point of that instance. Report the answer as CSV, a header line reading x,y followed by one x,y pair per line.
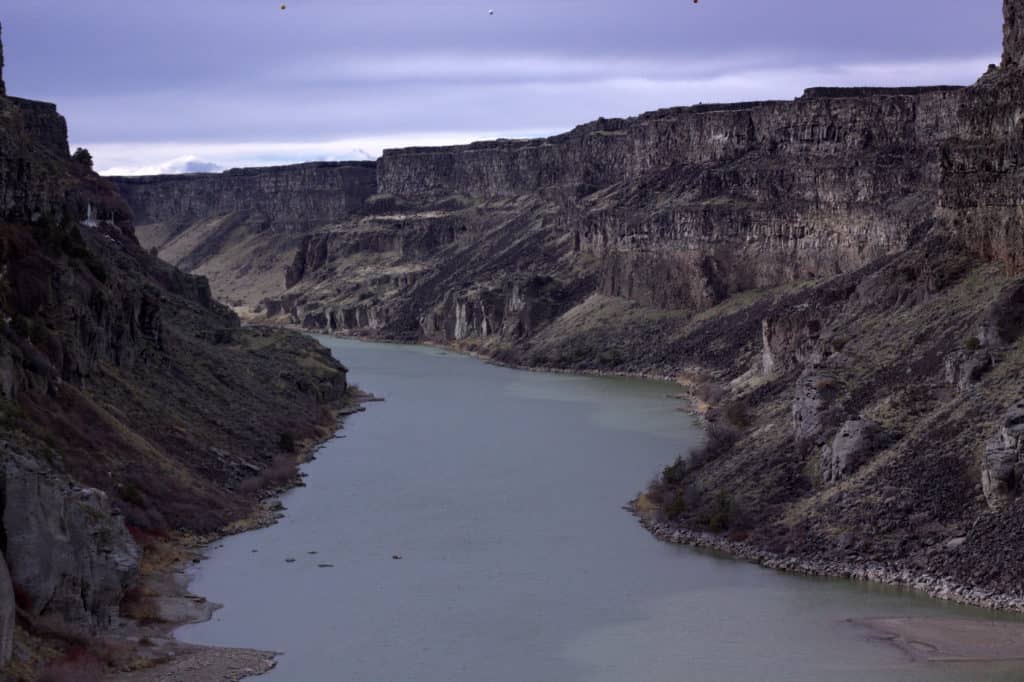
x,y
169,85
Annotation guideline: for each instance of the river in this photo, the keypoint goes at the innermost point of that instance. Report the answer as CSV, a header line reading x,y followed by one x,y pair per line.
x,y
502,492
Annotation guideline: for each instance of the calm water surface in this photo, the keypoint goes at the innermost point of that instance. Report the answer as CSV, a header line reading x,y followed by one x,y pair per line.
x,y
502,491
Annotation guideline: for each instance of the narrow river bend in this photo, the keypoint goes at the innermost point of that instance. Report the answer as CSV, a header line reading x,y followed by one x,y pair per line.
x,y
502,492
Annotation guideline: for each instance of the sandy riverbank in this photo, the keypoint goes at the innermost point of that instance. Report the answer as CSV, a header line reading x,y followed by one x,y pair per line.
x,y
950,640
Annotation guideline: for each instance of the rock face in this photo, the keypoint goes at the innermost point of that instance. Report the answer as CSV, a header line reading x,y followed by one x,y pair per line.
x,y
1013,32
1003,461
812,414
7,611
851,447
247,223
289,197
68,552
676,209
128,395
847,268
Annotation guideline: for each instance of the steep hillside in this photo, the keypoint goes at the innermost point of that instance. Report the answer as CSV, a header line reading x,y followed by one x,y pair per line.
x,y
132,404
237,228
836,278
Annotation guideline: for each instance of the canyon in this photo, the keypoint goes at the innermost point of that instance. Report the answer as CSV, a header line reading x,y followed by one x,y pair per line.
x,y
135,410
835,279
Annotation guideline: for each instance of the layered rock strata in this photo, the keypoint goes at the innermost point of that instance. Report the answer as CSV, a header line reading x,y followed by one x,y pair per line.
x,y
838,278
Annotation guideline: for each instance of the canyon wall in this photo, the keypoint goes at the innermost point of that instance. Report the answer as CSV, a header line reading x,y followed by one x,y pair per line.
x,y
289,196
131,402
241,228
675,209
825,122
836,279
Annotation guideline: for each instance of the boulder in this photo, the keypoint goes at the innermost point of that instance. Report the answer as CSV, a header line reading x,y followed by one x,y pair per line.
x,y
66,548
1001,462
853,445
816,390
1003,321
965,368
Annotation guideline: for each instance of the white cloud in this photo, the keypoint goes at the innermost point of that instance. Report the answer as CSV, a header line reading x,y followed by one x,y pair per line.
x,y
179,164
531,107
174,157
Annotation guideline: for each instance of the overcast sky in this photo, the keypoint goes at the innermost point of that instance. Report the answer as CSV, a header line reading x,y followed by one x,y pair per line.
x,y
169,85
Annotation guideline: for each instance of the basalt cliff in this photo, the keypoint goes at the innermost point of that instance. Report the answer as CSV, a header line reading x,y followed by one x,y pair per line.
x,y
836,279
133,406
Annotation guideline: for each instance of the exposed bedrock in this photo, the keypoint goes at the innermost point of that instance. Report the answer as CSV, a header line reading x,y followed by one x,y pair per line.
x,y
609,151
8,608
852,446
69,554
839,275
287,196
1003,460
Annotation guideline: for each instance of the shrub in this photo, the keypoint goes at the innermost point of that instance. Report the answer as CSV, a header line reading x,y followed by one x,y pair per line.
x,y
74,668
676,507
138,604
737,413
280,471
96,268
719,439
23,326
82,156
673,474
721,513
286,442
708,392
973,343
825,384
22,598
132,495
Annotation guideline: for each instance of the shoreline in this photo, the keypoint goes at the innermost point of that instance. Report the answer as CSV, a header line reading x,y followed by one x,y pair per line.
x,y
483,357
176,606
924,640
936,587
933,586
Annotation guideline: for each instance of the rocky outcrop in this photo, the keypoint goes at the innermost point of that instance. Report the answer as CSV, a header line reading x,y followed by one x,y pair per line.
x,y
844,266
1013,33
69,554
287,197
1003,460
791,340
675,209
102,427
1003,321
242,228
609,151
813,406
853,445
965,368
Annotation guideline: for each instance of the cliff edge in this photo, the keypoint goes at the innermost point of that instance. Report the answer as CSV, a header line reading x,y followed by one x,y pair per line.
x,y
835,279
134,408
